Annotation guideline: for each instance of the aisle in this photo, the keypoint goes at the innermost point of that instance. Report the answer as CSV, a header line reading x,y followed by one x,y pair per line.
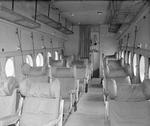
x,y
90,109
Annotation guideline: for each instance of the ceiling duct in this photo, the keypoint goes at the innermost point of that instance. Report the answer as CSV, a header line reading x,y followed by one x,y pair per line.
x,y
114,28
11,16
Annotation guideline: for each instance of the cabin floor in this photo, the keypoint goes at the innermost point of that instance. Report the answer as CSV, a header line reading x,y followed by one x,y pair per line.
x,y
91,108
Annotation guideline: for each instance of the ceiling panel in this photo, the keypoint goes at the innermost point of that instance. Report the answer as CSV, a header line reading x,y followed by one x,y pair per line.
x,y
84,12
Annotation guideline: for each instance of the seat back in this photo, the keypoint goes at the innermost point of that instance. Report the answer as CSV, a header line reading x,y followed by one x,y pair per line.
x,y
29,71
81,72
41,104
8,95
67,78
122,80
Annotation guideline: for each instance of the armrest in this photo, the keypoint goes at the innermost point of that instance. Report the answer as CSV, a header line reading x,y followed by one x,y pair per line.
x,y
54,122
72,92
7,120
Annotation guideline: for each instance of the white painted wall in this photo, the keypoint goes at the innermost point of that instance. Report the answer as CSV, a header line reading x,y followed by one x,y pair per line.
x,y
143,33
72,44
9,41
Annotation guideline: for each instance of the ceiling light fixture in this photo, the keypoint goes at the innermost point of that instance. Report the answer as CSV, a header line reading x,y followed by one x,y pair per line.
x,y
99,12
72,14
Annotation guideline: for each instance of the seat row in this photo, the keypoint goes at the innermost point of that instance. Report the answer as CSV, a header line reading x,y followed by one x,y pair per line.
x,y
73,81
30,103
127,103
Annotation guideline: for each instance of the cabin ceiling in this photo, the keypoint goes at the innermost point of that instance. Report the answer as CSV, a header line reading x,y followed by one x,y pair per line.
x,y
115,13
84,12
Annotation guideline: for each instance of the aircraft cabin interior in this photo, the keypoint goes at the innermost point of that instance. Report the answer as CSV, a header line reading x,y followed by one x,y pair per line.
x,y
75,62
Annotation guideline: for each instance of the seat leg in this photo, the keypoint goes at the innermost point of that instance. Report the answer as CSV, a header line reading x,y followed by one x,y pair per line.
x,y
86,87
75,106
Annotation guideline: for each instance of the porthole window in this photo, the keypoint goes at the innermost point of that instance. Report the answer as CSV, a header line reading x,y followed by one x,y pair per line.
x,y
29,60
129,58
56,55
142,68
134,64
39,60
9,67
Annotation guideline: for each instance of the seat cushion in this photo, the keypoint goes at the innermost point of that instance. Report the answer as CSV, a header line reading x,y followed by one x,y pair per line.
x,y
66,105
39,111
129,113
8,104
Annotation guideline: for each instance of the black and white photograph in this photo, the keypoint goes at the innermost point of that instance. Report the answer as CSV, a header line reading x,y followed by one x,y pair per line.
x,y
74,62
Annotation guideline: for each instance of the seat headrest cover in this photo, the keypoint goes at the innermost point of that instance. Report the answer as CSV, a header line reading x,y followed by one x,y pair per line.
x,y
64,72
146,88
129,93
33,71
7,86
26,68
122,80
117,73
37,71
40,89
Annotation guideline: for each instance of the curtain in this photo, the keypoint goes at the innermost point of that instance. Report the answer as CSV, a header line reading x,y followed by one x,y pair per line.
x,y
84,41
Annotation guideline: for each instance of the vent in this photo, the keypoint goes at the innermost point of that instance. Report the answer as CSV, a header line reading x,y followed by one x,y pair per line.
x,y
114,28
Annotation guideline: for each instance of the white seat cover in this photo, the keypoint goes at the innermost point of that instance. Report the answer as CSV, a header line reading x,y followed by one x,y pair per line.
x,y
39,111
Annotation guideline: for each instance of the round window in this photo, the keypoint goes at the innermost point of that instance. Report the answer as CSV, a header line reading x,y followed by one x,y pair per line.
x,y
9,67
39,60
129,58
134,64
142,68
56,55
29,60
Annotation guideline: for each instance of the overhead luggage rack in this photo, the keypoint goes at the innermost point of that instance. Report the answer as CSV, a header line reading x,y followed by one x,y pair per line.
x,y
11,16
66,30
52,23
48,21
